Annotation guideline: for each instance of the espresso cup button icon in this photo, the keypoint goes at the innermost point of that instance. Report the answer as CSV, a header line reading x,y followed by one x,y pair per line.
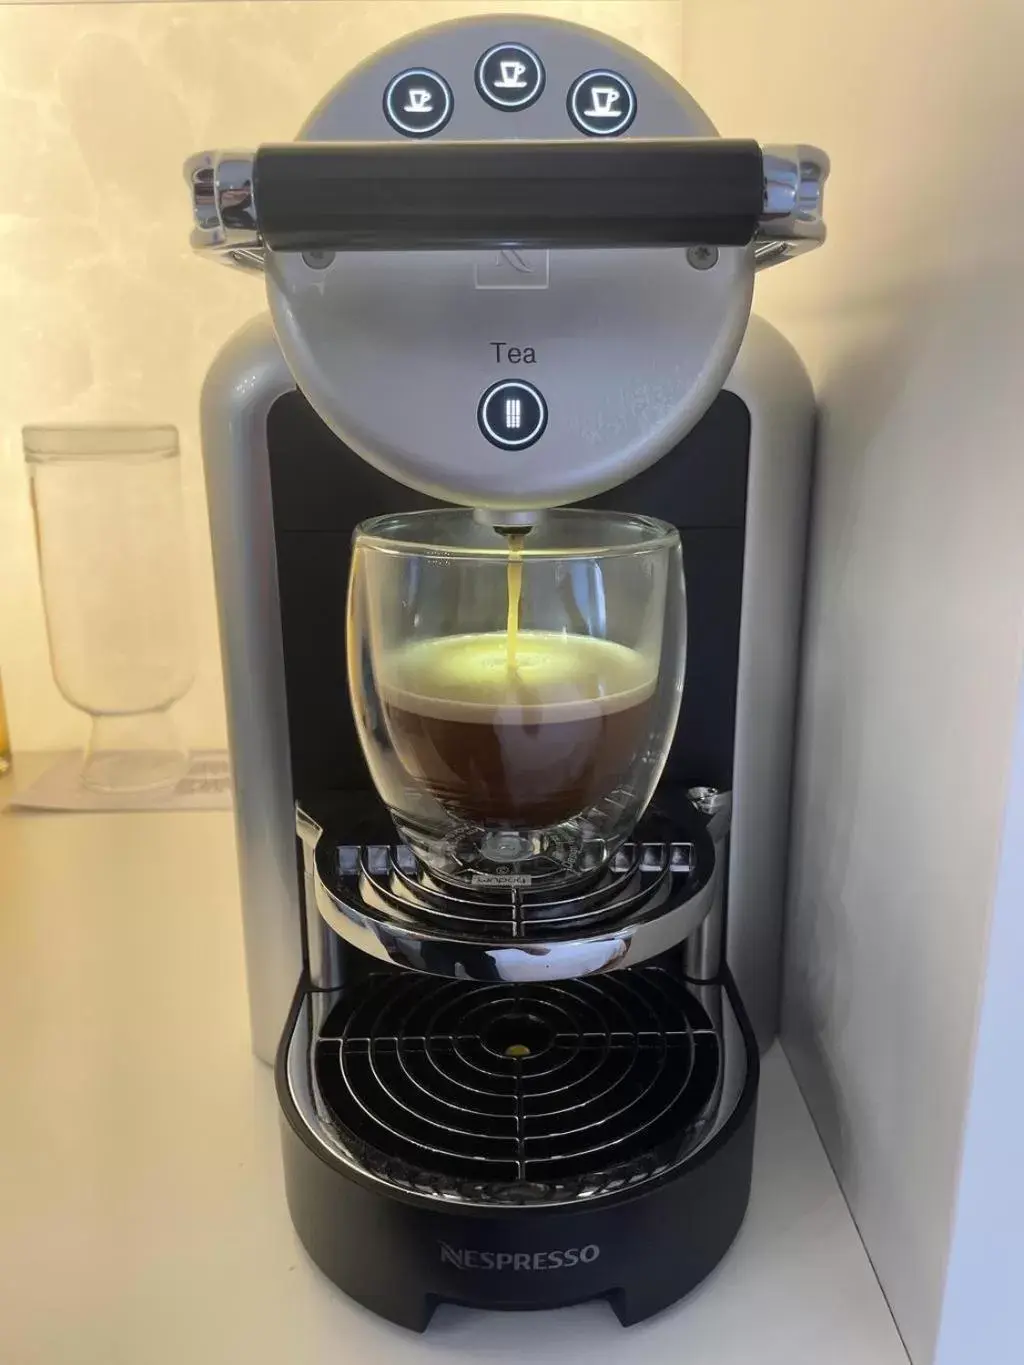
x,y
510,76
601,103
418,103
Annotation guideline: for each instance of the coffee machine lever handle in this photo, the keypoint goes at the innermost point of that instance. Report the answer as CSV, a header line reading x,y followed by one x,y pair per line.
x,y
321,197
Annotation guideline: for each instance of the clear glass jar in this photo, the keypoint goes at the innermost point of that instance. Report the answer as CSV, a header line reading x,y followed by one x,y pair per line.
x,y
110,534
527,762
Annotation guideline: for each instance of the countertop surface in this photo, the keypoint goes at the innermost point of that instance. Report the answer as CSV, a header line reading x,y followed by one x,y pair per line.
x,y
142,1212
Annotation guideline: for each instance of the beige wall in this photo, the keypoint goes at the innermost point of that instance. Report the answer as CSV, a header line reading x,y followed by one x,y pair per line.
x,y
104,314
912,321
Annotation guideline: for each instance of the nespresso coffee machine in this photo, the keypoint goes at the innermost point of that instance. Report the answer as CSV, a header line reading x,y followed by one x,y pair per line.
x,y
512,776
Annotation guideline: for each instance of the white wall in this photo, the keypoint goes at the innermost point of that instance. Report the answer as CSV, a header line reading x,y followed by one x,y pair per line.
x,y
912,322
981,1310
104,313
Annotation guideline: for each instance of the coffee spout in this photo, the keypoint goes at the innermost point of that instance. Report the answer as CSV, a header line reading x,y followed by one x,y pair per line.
x,y
504,522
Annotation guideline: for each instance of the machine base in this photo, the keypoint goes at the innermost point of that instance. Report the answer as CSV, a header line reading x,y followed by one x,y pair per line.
x,y
401,1254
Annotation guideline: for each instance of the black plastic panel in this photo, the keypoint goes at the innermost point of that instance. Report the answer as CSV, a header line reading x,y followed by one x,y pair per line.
x,y
321,491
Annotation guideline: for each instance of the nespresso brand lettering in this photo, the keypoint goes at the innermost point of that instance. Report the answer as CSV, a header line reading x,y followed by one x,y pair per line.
x,y
466,1258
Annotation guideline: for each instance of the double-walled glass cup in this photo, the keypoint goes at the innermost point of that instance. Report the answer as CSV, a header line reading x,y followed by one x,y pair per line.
x,y
516,756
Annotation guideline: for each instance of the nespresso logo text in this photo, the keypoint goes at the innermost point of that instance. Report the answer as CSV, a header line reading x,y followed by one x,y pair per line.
x,y
466,1259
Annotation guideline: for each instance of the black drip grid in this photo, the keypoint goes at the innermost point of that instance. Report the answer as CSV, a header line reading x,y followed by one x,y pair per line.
x,y
519,1093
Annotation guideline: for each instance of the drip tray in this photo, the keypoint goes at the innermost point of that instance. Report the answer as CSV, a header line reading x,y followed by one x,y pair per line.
x,y
520,1094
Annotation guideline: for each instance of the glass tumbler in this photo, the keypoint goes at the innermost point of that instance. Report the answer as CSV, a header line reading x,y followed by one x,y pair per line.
x,y
110,535
516,746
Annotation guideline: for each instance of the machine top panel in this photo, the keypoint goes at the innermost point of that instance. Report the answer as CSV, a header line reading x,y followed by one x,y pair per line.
x,y
510,378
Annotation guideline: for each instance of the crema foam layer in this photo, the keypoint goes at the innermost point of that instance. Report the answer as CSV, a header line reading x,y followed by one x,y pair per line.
x,y
556,678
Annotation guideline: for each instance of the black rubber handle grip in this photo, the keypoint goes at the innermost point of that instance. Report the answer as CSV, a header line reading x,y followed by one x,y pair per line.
x,y
406,196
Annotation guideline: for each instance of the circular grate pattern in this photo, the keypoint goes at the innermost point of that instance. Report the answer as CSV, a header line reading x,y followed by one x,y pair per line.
x,y
519,1093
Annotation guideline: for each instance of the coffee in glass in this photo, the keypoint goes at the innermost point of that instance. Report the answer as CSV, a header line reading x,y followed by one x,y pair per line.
x,y
527,745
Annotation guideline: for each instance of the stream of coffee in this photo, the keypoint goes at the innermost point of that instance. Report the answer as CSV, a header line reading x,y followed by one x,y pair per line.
x,y
514,575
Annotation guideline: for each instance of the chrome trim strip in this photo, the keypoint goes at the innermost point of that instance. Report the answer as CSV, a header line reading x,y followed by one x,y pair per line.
x,y
793,219
704,949
325,952
224,208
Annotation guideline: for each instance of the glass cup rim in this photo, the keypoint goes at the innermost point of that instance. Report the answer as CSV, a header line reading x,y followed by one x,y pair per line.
x,y
80,442
656,536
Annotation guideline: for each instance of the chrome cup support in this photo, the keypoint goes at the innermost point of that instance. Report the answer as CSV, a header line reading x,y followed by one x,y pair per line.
x,y
377,898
